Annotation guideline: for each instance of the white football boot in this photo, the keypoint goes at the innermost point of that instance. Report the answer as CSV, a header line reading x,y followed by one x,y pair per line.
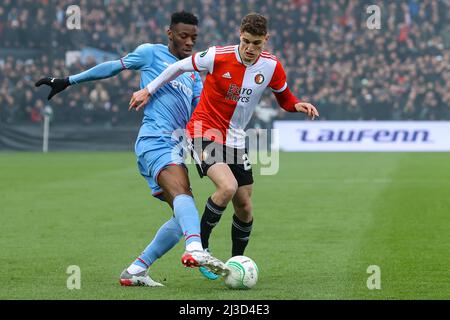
x,y
198,258
138,279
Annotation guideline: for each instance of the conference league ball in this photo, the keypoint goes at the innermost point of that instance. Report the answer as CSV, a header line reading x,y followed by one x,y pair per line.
x,y
243,273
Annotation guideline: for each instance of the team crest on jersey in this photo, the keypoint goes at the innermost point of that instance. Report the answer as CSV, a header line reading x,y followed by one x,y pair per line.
x,y
259,78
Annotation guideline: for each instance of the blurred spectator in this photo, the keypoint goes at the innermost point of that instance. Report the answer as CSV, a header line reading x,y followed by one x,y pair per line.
x,y
401,72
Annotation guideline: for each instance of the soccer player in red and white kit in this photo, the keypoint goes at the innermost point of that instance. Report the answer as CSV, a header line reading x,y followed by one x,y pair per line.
x,y
237,76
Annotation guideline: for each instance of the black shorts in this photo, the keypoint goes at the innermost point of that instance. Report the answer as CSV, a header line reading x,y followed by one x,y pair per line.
x,y
207,153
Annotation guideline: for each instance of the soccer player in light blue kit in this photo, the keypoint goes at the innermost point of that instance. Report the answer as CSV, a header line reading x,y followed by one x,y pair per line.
x,y
159,155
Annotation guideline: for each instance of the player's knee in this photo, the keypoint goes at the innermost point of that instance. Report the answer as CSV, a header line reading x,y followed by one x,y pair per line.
x,y
248,208
179,189
244,209
227,191
176,188
174,181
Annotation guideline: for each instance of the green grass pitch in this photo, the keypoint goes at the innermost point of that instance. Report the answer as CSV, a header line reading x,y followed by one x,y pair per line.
x,y
319,224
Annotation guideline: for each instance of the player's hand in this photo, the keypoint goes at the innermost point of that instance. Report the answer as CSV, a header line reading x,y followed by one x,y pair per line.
x,y
307,108
139,99
57,85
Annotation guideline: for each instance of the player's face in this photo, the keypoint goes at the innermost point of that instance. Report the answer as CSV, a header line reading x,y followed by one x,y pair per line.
x,y
182,38
251,46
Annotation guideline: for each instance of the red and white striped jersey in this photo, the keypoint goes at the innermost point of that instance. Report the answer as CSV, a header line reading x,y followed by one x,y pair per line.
x,y
230,93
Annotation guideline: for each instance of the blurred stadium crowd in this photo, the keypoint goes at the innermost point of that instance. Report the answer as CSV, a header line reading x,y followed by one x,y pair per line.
x,y
332,59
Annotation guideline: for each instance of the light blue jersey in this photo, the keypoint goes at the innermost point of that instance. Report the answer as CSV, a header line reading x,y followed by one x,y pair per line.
x,y
171,107
168,110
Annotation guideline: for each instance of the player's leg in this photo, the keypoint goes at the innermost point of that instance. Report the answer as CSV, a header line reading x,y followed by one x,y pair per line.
x,y
166,237
225,183
153,154
176,192
175,184
226,186
210,158
242,220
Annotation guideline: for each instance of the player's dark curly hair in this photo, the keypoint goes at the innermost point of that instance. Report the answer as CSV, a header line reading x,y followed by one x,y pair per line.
x,y
183,17
255,24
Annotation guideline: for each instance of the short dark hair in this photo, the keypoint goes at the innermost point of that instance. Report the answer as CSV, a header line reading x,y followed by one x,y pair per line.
x,y
255,24
183,17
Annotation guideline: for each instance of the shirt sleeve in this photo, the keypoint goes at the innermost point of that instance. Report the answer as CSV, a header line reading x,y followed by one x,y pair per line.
x,y
198,87
170,73
204,61
101,71
286,100
278,82
141,56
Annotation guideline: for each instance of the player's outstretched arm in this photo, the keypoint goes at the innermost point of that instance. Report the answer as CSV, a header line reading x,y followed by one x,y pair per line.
x,y
101,71
140,98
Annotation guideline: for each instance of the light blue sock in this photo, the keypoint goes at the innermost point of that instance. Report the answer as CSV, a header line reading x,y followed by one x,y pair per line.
x,y
187,217
165,239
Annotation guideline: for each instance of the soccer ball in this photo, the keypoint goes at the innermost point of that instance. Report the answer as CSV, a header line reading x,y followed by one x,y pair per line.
x,y
243,273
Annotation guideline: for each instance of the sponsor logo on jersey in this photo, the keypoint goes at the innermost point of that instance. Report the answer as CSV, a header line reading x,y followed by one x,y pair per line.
x,y
259,78
238,94
226,75
182,87
204,53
